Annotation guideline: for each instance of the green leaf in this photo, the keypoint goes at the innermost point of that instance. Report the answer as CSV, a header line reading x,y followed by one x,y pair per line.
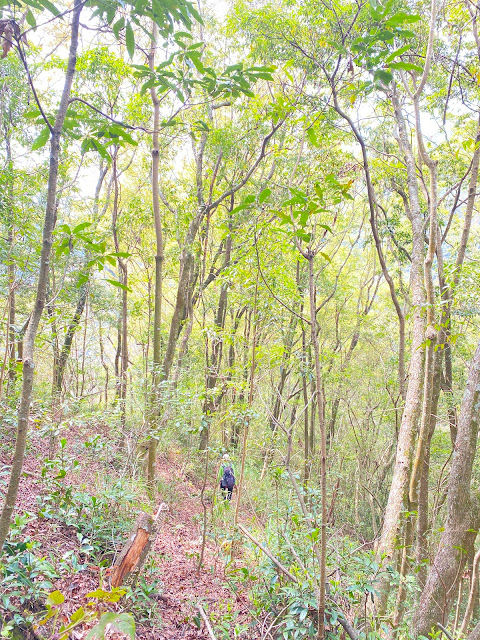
x,y
312,137
385,35
264,195
50,6
82,280
195,57
406,66
239,207
55,598
77,615
118,26
182,34
404,33
123,622
201,125
398,52
327,257
129,39
42,139
98,593
324,226
118,284
402,17
81,227
32,112
284,218
30,18
306,237
91,144
384,76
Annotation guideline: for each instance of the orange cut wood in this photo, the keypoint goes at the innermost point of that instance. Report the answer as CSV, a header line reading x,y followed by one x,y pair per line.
x,y
131,555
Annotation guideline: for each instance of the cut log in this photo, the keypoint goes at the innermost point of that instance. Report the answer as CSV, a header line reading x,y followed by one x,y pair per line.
x,y
135,551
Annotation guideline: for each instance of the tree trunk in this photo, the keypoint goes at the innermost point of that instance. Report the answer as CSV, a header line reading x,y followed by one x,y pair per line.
x,y
10,334
323,448
461,524
60,363
231,362
121,357
84,347
49,225
210,404
279,403
401,472
159,259
250,402
102,359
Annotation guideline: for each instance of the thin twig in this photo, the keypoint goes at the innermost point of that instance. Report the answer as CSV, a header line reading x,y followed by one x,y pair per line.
x,y
206,621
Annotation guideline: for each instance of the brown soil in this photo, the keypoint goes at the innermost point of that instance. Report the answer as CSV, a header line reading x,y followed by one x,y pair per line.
x,y
175,556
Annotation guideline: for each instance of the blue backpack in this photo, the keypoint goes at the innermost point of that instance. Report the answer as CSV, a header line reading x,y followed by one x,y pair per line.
x,y
228,480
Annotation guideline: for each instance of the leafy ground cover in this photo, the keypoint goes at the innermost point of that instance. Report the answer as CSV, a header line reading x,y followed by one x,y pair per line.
x,y
72,518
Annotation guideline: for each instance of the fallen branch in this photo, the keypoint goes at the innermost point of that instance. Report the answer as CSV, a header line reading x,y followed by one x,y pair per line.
x,y
442,628
206,621
341,617
279,566
348,627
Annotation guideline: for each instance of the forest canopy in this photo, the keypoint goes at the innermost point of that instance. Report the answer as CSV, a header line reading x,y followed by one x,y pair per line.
x,y
239,346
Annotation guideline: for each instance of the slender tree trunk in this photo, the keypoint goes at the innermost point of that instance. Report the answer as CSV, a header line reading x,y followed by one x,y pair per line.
x,y
60,363
250,402
422,552
118,356
49,225
210,405
121,357
84,347
313,409
102,359
10,334
124,359
306,422
159,260
279,403
323,448
231,362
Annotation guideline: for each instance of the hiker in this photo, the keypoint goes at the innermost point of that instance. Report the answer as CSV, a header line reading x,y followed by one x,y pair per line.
x,y
227,481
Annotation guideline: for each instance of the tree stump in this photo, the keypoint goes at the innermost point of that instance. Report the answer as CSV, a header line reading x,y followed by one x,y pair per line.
x,y
135,551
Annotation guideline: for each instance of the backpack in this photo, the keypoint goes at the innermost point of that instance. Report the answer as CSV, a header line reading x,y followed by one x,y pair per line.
x,y
228,480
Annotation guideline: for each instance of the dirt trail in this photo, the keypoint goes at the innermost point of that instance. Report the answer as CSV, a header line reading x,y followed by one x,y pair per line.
x,y
176,554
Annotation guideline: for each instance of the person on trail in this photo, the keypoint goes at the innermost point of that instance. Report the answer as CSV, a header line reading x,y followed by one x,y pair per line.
x,y
227,477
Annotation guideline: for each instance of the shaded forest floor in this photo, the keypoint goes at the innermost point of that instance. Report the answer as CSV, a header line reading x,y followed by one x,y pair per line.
x,y
177,551
172,564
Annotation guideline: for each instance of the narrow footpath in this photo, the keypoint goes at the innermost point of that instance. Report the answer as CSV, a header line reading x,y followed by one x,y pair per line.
x,y
176,553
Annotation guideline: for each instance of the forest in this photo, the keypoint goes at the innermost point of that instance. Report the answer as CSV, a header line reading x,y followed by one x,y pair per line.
x,y
239,319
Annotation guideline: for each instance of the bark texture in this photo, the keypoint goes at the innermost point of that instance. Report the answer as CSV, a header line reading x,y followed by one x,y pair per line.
x,y
49,225
462,515
413,399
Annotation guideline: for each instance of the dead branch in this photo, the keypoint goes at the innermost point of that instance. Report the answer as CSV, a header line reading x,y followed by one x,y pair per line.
x,y
279,566
206,621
